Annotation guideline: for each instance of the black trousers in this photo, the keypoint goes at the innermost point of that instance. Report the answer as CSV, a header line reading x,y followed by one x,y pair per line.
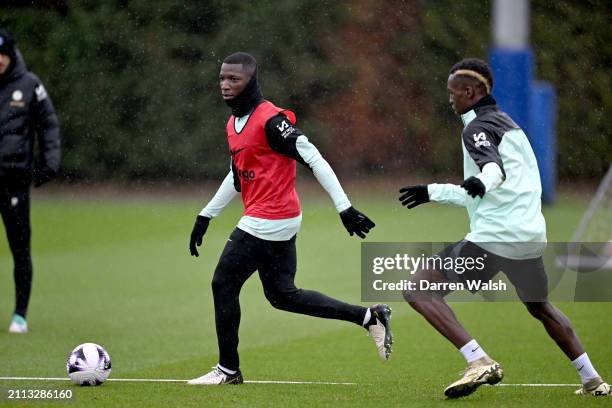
x,y
276,263
15,209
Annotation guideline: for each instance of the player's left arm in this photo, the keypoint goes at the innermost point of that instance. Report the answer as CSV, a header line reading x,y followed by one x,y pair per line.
x,y
48,134
483,147
284,138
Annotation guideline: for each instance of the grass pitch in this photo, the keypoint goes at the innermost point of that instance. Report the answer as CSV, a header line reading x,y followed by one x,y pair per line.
x,y
116,271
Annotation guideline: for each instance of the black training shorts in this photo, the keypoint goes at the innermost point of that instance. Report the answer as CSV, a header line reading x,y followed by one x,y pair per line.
x,y
527,275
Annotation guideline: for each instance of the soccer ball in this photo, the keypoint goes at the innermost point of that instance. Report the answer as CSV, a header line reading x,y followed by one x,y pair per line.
x,y
88,364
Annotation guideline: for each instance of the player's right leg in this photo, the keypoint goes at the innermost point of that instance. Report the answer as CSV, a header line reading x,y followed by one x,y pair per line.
x,y
236,264
16,217
432,306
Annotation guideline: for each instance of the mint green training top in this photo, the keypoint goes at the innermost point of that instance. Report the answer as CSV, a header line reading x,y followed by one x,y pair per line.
x,y
510,212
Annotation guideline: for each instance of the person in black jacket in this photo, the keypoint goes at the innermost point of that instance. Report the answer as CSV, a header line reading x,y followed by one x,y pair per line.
x,y
26,115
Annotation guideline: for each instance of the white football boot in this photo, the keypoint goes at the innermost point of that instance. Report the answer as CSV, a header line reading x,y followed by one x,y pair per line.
x,y
381,330
479,372
217,377
18,325
596,387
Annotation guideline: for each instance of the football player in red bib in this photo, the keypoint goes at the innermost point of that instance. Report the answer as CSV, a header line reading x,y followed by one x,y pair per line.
x,y
264,145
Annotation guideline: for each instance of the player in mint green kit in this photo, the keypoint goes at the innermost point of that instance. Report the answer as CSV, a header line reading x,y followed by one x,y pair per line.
x,y
501,192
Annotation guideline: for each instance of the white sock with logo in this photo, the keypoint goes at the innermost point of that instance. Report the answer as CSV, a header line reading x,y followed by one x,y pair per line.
x,y
367,317
585,368
226,370
472,351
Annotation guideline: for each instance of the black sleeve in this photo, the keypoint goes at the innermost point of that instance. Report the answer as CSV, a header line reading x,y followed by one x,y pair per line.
x,y
282,136
482,146
47,129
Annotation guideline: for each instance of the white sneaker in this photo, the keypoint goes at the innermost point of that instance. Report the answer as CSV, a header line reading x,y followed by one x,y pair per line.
x,y
18,325
482,371
381,330
596,387
217,377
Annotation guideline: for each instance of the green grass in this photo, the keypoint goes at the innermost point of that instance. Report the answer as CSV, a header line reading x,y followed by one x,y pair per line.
x,y
116,271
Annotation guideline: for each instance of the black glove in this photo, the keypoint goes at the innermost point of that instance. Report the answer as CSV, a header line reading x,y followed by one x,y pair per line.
x,y
414,195
356,222
474,187
199,229
42,175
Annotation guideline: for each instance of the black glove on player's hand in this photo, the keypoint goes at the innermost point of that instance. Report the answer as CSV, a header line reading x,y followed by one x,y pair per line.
x,y
474,187
199,229
43,175
412,196
356,222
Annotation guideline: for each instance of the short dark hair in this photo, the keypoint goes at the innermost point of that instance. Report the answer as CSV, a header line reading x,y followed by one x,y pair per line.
x,y
247,60
477,65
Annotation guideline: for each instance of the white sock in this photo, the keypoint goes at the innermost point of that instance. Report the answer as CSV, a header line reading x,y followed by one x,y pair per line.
x,y
367,317
225,370
585,368
472,351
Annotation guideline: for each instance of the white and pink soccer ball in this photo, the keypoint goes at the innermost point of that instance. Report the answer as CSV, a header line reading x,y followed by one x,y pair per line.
x,y
88,364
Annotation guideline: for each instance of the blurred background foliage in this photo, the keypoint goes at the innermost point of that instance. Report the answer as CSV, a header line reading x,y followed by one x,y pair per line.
x,y
135,82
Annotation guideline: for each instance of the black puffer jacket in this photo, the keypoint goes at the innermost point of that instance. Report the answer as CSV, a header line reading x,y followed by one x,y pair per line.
x,y
26,114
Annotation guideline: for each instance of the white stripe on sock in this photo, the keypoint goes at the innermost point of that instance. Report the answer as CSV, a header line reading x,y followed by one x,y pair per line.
x,y
226,370
367,317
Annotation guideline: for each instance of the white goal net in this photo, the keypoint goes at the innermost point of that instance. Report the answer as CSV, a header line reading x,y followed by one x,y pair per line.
x,y
596,224
596,228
